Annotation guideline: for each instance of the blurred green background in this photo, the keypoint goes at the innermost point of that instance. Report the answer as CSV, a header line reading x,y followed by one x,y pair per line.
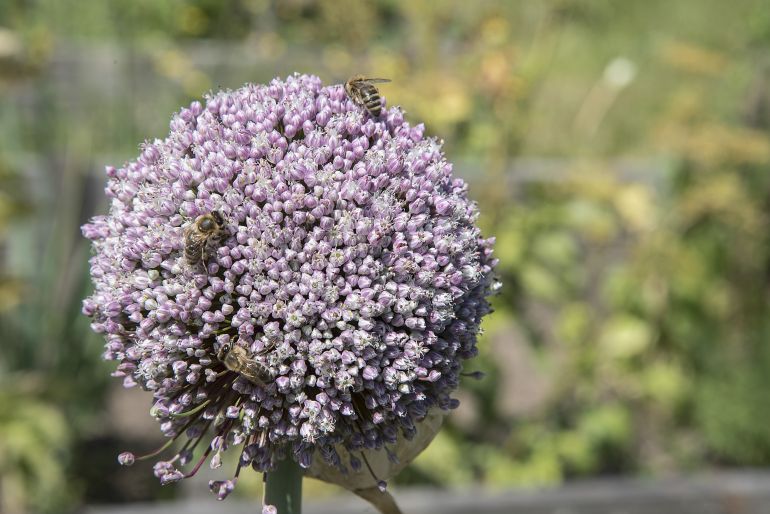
x,y
619,151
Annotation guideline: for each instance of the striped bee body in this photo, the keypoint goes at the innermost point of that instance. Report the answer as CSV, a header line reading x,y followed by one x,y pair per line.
x,y
363,92
237,359
205,229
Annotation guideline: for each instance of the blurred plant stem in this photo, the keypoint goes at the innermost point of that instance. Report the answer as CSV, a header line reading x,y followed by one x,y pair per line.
x,y
283,487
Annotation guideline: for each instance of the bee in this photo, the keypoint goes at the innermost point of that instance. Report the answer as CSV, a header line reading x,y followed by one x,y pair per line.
x,y
361,90
205,228
236,358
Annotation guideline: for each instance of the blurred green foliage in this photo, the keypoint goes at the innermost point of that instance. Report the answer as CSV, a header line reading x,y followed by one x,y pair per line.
x,y
647,302
33,448
619,152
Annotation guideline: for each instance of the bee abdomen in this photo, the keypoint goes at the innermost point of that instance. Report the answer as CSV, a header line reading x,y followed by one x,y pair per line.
x,y
372,102
262,371
193,252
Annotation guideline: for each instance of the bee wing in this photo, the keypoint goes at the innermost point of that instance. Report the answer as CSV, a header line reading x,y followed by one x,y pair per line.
x,y
255,371
377,81
195,243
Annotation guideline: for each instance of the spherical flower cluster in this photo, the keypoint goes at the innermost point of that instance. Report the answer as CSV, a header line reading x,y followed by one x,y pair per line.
x,y
349,268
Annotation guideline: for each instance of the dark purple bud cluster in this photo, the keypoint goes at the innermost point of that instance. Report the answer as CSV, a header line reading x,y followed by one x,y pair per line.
x,y
350,267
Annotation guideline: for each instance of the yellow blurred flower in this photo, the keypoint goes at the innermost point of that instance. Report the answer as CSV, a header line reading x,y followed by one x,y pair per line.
x,y
693,58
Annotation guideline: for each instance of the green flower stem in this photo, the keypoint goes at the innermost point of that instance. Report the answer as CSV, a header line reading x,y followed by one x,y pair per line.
x,y
283,487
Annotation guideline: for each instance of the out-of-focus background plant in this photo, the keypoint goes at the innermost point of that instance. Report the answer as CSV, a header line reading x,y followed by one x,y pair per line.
x,y
619,151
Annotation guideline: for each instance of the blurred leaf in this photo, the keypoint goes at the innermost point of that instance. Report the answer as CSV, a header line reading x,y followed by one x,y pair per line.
x,y
666,383
574,322
624,336
443,459
539,282
33,443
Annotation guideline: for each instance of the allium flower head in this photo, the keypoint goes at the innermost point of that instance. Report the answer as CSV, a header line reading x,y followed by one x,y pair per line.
x,y
350,268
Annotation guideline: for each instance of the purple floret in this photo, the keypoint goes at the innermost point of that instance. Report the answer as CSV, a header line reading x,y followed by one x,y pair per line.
x,y
351,267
